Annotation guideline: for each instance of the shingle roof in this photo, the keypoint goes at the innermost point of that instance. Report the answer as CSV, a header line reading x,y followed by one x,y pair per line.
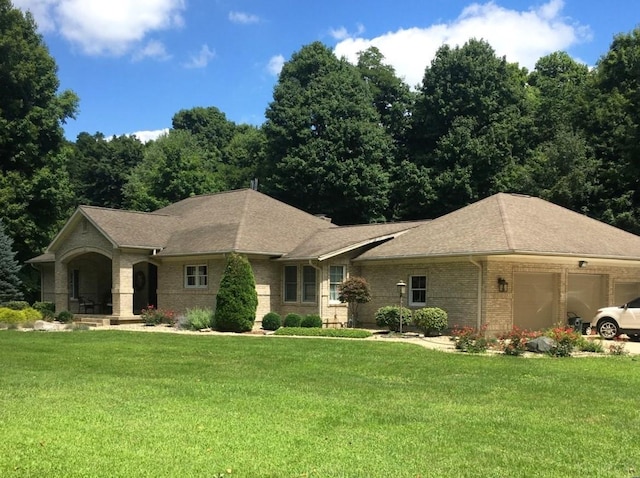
x,y
242,221
511,224
333,241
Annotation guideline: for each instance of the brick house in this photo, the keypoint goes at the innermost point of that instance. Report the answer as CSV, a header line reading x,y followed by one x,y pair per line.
x,y
505,260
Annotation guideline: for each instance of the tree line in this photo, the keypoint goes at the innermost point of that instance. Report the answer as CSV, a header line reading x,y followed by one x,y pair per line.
x,y
352,141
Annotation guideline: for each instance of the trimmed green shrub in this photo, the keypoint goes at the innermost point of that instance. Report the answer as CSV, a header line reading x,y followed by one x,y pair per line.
x,y
292,320
430,320
11,316
389,317
311,320
315,332
47,309
16,304
198,318
237,299
31,314
271,321
65,317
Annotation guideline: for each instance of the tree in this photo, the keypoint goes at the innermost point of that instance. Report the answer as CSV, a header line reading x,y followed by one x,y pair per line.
x,y
209,125
9,268
237,299
326,149
101,167
613,126
34,183
31,110
469,127
175,166
354,291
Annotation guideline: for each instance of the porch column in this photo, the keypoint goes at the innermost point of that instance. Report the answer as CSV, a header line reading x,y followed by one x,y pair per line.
x,y
122,288
61,286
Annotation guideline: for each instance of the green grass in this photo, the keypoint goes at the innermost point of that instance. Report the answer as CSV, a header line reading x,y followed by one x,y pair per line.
x,y
118,404
321,332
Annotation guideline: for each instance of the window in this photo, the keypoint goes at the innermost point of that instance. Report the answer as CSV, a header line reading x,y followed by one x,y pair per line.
x,y
308,284
75,283
336,276
418,290
290,283
195,277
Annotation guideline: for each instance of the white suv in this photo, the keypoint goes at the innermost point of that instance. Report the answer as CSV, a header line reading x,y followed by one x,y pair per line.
x,y
613,321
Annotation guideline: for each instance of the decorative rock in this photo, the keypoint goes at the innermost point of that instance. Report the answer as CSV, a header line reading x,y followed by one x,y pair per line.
x,y
541,345
46,326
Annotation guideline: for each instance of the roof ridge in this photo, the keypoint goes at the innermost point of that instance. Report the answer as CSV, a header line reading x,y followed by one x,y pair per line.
x,y
506,224
100,208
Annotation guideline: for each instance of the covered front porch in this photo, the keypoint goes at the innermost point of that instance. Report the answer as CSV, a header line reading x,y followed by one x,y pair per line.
x,y
93,284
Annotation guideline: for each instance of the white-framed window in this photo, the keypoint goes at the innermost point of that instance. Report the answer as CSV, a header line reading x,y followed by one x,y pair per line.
x,y
418,290
290,284
309,284
195,276
336,277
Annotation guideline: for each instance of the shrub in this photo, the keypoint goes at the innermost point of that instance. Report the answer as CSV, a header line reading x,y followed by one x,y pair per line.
x,y
470,339
618,347
64,317
292,320
315,332
515,341
237,298
389,317
47,309
566,339
31,314
153,316
16,304
591,345
271,321
198,318
430,320
311,321
11,317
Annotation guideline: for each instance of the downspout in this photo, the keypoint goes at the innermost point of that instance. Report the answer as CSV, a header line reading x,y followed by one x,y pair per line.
x,y
319,287
479,318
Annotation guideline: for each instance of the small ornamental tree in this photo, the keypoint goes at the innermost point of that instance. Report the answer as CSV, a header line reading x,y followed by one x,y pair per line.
x,y
9,268
354,291
237,297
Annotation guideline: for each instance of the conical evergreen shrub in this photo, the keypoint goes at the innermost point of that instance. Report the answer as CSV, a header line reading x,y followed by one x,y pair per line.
x,y
237,299
10,282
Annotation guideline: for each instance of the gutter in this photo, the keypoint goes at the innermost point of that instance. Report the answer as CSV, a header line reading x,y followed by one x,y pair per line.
x,y
479,266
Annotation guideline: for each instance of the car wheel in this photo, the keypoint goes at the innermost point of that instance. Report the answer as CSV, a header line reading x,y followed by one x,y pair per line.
x,y
608,329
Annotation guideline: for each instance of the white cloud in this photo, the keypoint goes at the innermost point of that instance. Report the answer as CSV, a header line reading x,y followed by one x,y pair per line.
x,y
521,36
202,59
342,33
243,18
146,136
275,65
153,49
105,28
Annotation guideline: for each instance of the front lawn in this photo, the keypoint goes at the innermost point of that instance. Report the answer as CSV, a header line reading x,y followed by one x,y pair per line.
x,y
126,404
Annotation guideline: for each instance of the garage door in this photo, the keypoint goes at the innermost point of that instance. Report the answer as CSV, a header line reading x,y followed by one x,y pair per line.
x,y
534,300
585,295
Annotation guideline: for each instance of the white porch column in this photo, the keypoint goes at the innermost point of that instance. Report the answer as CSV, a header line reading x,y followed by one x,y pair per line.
x,y
122,288
61,286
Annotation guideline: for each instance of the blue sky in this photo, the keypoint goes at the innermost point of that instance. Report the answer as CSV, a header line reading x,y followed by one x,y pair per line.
x,y
135,63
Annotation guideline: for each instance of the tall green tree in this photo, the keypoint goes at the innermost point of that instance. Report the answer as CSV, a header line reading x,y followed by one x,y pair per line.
x,y
101,167
613,126
33,177
209,125
237,299
10,282
326,149
175,166
469,125
242,156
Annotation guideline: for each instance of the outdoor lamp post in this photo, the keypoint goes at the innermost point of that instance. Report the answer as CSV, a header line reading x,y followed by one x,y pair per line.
x,y
401,289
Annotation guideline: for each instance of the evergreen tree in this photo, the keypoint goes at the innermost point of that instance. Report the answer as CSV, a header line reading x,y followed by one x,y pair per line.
x,y
237,299
9,281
